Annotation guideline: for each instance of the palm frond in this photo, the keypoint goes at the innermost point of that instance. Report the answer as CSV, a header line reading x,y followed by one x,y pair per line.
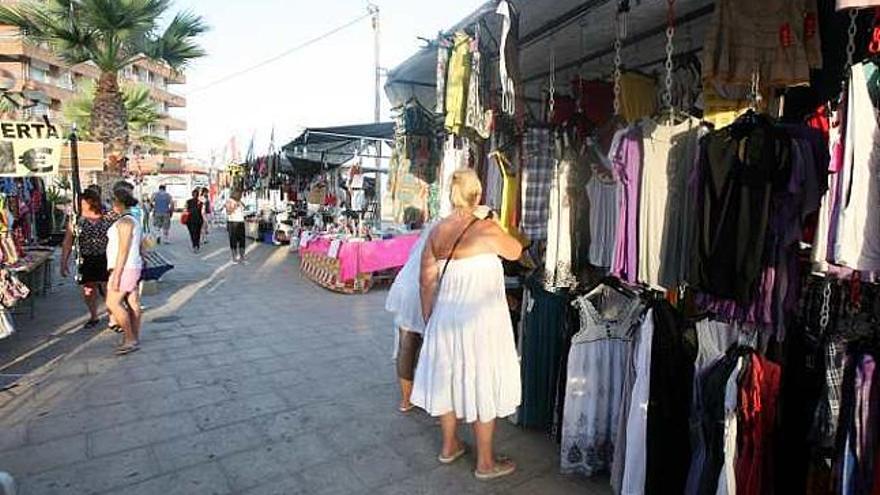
x,y
177,46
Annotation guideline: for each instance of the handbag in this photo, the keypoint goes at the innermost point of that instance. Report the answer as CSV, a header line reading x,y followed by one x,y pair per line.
x,y
184,217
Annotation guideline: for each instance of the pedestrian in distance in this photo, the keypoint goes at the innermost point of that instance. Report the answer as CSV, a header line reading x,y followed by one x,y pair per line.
x,y
235,226
125,264
163,208
468,367
93,225
194,218
208,210
147,206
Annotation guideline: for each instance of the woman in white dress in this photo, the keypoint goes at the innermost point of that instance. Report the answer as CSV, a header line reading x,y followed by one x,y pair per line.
x,y
403,300
468,368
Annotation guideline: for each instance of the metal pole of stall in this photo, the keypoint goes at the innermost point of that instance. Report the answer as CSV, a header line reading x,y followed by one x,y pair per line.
x,y
77,192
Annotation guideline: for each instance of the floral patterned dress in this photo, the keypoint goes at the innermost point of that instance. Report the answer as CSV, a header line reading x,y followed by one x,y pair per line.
x,y
597,364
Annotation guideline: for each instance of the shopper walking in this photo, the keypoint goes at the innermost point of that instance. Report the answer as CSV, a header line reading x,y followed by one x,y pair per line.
x,y
235,226
195,217
147,206
93,224
163,208
468,367
208,211
125,264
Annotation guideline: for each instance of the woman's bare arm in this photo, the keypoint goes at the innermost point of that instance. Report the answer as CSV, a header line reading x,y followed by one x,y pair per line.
x,y
507,246
428,278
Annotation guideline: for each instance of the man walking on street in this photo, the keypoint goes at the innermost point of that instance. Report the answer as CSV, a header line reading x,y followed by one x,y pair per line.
x,y
163,207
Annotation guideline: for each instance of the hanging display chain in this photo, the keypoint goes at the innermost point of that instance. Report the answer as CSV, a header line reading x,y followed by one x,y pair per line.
x,y
670,33
552,99
825,312
620,21
755,88
851,38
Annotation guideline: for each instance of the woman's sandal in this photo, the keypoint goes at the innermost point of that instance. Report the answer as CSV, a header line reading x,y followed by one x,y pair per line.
x,y
115,328
92,323
454,457
404,410
127,349
503,467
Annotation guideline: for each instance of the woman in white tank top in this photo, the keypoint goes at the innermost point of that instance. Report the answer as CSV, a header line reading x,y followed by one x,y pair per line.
x,y
125,263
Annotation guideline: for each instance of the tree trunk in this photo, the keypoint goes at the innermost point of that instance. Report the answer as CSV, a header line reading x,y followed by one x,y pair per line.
x,y
109,121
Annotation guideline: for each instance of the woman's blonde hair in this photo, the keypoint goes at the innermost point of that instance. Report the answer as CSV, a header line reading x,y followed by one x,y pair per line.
x,y
466,189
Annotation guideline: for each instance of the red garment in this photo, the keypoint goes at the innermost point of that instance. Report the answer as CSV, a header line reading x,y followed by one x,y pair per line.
x,y
596,99
756,425
819,120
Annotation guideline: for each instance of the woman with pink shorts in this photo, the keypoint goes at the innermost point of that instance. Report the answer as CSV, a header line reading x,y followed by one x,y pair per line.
x,y
125,264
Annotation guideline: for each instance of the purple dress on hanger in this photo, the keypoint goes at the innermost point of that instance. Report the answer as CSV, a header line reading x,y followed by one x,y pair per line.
x,y
627,160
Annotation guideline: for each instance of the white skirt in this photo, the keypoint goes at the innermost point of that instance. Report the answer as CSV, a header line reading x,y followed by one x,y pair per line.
x,y
468,363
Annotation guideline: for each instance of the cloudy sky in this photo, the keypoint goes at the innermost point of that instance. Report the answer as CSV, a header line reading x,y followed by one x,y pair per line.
x,y
328,83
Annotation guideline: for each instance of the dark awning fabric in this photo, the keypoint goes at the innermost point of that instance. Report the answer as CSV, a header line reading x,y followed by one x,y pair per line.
x,y
323,148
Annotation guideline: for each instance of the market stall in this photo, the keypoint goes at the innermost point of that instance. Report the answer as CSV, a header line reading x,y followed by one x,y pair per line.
x,y
349,265
337,226
693,179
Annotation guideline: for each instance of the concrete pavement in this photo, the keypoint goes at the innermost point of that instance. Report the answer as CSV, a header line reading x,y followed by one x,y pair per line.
x,y
250,380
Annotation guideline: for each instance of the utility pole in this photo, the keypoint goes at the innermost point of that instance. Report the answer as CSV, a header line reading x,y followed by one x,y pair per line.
x,y
373,9
377,108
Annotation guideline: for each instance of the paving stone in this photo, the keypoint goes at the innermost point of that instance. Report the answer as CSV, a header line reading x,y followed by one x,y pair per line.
x,y
12,436
52,426
379,466
287,485
208,445
253,467
333,478
204,479
223,413
35,458
95,475
140,433
183,400
132,391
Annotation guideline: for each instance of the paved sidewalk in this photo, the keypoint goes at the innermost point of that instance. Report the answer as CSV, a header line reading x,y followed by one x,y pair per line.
x,y
250,380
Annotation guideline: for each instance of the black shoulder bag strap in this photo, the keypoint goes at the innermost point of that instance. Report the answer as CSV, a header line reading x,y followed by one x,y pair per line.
x,y
454,246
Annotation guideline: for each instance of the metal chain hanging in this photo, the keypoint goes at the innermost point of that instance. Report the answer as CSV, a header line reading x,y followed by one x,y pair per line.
x,y
552,100
825,312
670,48
619,35
851,38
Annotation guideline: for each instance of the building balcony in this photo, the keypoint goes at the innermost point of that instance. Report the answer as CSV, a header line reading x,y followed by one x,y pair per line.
x,y
175,147
53,90
173,123
171,99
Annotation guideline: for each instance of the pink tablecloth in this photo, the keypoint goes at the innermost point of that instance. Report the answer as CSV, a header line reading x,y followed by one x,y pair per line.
x,y
367,257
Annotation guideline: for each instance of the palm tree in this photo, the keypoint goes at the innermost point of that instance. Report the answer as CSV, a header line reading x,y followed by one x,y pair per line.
x,y
140,113
112,34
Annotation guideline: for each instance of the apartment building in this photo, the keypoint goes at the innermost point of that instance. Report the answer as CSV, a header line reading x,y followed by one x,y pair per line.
x,y
39,68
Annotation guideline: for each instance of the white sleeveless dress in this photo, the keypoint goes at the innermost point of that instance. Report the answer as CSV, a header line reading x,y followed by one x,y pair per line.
x,y
468,363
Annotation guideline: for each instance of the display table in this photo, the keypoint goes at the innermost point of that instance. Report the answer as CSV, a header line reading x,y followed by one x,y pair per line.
x,y
347,266
35,271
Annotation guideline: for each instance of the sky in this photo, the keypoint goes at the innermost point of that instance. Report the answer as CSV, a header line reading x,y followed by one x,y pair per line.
x,y
329,83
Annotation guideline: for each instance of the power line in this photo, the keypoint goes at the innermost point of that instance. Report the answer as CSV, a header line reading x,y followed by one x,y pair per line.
x,y
281,55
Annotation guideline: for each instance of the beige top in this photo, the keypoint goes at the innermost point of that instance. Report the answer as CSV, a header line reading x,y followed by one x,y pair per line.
x,y
856,4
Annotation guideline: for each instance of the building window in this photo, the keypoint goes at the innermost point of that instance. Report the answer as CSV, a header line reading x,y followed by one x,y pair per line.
x,y
128,72
38,74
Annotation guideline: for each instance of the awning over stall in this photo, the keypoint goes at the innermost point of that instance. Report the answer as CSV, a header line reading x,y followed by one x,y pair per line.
x,y
578,34
322,148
